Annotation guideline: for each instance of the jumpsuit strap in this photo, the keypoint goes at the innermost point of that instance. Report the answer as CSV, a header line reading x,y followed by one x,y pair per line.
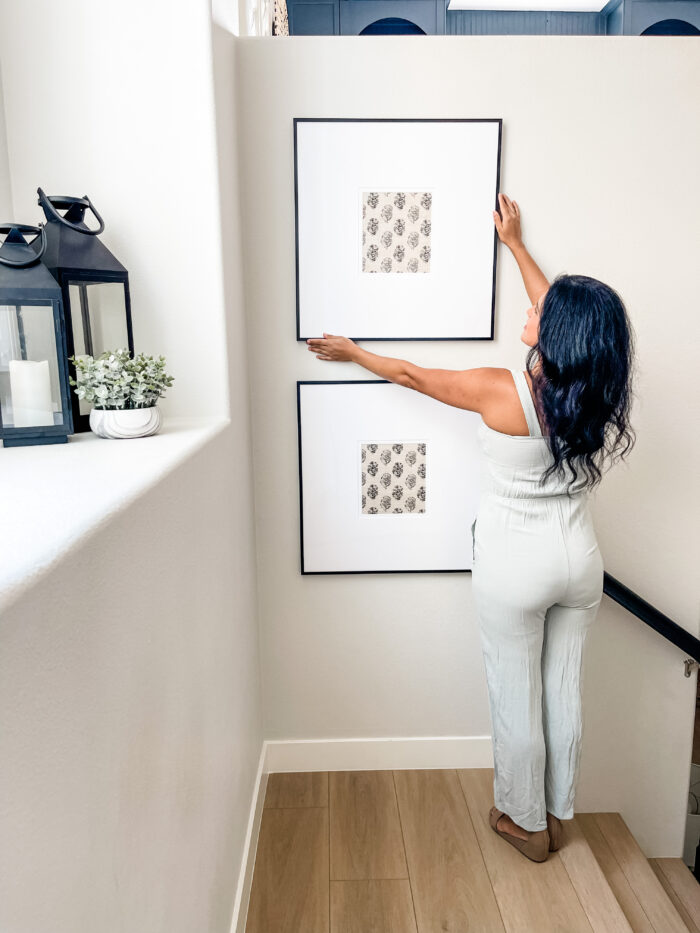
x,y
527,402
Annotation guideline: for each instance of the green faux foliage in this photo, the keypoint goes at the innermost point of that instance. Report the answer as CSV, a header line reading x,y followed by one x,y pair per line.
x,y
115,380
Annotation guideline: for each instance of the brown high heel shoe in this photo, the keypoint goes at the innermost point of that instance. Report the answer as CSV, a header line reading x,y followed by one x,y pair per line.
x,y
535,847
555,831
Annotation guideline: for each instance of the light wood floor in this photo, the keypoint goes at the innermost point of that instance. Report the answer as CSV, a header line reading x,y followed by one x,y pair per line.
x,y
411,851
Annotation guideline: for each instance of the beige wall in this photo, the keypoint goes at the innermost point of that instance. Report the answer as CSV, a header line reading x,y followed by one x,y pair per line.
x,y
600,148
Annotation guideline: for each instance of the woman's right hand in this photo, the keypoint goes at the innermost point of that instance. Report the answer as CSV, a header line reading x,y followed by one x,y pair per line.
x,y
508,221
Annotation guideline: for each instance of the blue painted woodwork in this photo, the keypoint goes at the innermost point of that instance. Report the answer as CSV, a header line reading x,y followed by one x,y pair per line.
x,y
639,15
313,17
523,23
357,15
612,14
397,17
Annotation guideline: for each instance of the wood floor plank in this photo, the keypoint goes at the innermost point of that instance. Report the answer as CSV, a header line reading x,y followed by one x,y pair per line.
x,y
372,907
616,877
648,889
449,881
412,852
290,889
681,887
532,896
365,831
297,789
597,898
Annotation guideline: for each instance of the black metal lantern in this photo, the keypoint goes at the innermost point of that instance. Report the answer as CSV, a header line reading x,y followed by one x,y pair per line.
x,y
95,285
35,405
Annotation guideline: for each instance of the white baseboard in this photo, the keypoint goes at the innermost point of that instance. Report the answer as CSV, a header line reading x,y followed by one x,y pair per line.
x,y
245,875
449,751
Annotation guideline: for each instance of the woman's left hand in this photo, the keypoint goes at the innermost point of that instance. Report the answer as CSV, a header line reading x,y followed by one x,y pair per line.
x,y
331,347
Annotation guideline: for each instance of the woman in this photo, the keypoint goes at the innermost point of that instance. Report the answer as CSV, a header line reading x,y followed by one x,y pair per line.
x,y
537,573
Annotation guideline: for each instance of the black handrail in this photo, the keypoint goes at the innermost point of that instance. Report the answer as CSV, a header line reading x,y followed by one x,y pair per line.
x,y
649,614
664,626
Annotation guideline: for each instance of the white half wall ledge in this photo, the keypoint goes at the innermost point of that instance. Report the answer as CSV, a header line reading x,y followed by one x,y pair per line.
x,y
53,496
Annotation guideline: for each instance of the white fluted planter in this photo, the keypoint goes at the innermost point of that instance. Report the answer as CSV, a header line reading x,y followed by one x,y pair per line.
x,y
127,422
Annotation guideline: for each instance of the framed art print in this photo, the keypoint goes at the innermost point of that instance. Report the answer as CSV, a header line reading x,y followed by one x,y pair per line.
x,y
389,479
395,238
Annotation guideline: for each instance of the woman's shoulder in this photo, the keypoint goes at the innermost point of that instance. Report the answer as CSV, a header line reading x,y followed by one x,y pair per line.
x,y
500,380
496,385
503,409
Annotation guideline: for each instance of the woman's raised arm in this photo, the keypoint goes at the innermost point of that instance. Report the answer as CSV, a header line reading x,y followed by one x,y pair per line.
x,y
508,229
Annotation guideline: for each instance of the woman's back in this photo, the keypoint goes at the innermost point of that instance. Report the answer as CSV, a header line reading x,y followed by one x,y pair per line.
x,y
532,543
515,463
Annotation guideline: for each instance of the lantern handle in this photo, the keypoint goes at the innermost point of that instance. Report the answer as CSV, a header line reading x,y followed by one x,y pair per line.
x,y
21,230
51,202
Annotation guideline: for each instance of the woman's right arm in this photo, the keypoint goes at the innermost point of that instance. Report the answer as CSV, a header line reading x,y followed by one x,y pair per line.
x,y
508,229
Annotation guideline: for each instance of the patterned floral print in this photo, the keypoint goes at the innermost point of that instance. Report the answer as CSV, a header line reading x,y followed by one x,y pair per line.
x,y
396,229
280,20
392,477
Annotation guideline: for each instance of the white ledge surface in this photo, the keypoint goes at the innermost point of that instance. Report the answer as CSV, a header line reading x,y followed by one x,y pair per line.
x,y
52,496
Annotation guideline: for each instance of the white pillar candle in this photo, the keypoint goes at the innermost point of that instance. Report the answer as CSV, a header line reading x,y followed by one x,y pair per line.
x,y
30,386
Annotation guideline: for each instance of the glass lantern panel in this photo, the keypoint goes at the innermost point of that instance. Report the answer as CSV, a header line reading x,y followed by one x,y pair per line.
x,y
30,386
98,314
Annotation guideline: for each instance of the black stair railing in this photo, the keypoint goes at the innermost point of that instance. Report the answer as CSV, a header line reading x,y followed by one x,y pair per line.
x,y
664,626
653,617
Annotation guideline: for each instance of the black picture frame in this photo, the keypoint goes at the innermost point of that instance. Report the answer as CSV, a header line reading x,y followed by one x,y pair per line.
x,y
303,570
298,120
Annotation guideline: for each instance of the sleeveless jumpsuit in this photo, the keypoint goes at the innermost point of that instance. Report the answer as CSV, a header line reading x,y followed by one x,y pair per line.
x,y
537,581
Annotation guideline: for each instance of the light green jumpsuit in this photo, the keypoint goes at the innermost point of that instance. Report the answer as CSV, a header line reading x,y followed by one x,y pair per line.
x,y
537,580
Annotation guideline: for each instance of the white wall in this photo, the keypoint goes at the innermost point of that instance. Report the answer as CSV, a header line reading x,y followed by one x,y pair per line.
x,y
223,51
257,17
247,18
131,719
227,15
6,211
115,100
601,157
130,672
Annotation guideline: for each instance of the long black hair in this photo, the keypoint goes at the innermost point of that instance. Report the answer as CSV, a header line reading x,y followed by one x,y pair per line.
x,y
583,385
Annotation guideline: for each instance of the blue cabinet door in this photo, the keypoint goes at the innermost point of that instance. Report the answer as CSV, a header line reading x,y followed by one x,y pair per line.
x,y
356,15
313,17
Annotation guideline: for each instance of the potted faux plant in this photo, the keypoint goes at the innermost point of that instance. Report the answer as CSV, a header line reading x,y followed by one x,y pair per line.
x,y
123,392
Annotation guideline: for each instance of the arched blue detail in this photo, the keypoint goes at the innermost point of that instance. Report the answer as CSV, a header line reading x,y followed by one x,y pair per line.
x,y
392,26
672,27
